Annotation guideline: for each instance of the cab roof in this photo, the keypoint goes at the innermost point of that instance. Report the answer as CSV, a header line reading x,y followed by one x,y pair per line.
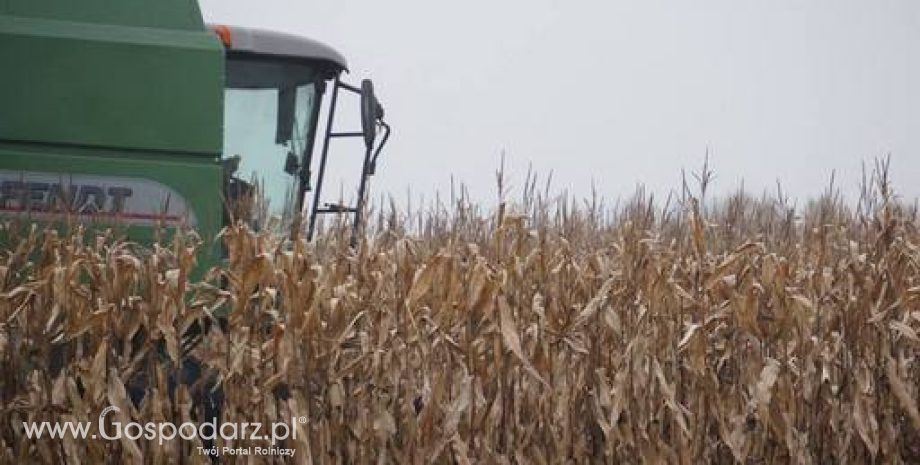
x,y
238,39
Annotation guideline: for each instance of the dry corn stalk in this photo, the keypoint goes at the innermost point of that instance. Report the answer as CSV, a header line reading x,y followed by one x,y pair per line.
x,y
548,336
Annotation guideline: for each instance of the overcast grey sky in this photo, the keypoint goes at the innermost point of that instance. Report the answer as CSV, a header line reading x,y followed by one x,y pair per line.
x,y
626,92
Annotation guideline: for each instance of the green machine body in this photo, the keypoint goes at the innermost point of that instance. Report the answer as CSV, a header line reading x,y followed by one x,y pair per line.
x,y
138,116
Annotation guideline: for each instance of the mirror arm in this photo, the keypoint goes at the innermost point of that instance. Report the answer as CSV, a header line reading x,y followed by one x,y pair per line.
x,y
386,136
349,87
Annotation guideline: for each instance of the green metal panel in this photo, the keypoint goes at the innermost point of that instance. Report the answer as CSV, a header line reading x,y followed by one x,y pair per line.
x,y
110,86
163,14
111,93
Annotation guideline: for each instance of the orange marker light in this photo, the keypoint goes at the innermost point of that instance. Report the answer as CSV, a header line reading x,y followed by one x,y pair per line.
x,y
225,35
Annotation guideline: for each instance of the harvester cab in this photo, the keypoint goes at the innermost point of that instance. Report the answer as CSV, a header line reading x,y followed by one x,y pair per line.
x,y
135,114
275,85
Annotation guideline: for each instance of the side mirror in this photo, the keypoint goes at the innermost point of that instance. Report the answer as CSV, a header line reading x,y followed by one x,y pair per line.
x,y
371,111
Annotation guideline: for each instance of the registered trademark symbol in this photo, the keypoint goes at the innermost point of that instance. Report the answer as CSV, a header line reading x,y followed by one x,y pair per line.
x,y
302,420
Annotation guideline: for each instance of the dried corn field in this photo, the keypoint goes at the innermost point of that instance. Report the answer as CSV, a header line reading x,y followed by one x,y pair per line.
x,y
544,332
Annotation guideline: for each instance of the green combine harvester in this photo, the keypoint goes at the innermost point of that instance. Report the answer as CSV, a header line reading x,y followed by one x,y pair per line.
x,y
134,113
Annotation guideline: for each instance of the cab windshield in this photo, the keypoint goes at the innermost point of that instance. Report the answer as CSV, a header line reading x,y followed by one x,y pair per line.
x,y
268,115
